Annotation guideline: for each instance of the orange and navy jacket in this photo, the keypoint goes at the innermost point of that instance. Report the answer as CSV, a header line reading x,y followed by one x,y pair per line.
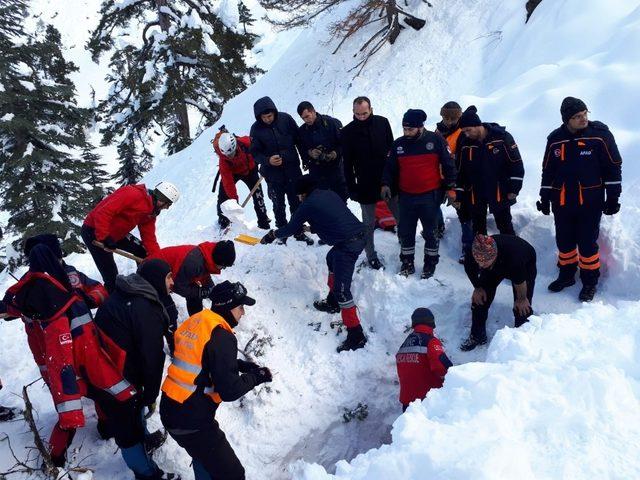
x,y
421,363
241,164
578,168
489,170
192,266
418,165
64,342
451,135
120,212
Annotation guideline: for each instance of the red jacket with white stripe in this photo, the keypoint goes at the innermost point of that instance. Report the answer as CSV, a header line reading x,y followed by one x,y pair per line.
x,y
240,164
421,363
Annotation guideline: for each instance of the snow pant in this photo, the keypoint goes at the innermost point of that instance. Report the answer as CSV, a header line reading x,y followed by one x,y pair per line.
x,y
213,457
331,179
59,442
479,313
502,216
577,231
104,260
278,189
341,261
369,220
423,207
464,216
250,181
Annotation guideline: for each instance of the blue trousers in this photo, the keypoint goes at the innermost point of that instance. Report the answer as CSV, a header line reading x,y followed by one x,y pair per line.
x,y
278,190
341,260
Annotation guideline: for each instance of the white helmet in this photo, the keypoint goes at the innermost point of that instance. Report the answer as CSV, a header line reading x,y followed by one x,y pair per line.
x,y
228,144
166,191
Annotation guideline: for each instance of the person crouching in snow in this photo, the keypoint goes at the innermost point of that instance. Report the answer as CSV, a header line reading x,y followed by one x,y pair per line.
x,y
421,361
334,223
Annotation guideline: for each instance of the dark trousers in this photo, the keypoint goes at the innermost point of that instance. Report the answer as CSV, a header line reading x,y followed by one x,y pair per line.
x,y
341,261
104,260
278,190
502,217
465,218
250,181
578,229
212,453
331,180
123,419
426,208
479,313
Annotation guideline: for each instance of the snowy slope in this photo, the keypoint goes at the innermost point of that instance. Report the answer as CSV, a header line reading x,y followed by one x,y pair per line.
x,y
555,399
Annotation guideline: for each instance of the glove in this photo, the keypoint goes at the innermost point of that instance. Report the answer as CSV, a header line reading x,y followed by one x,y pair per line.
x,y
71,420
150,409
268,238
262,374
611,206
543,206
315,153
247,367
385,193
512,199
109,243
328,157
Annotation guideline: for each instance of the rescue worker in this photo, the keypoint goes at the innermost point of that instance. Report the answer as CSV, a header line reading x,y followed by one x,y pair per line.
x,y
421,361
366,140
274,136
319,146
192,267
116,215
450,129
581,179
415,163
204,373
334,223
63,340
132,323
490,172
491,260
235,162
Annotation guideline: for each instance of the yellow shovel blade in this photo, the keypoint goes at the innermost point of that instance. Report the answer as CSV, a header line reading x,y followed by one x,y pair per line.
x,y
248,239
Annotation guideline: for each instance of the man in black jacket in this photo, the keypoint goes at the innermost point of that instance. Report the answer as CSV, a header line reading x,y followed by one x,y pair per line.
x,y
274,136
491,260
365,144
205,372
132,323
581,164
490,171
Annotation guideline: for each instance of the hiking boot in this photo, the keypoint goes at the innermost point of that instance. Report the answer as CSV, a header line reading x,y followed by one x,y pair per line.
x,y
264,224
303,237
355,339
407,268
375,264
428,270
223,221
159,475
7,413
472,342
328,305
587,293
154,441
560,284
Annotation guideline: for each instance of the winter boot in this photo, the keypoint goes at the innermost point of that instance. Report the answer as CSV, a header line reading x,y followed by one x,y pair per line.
x,y
160,475
429,267
355,339
472,342
303,237
587,293
264,224
375,263
7,413
223,221
329,304
154,441
560,283
406,268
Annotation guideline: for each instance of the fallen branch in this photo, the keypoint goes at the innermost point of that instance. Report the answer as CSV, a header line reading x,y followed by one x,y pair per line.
x,y
48,467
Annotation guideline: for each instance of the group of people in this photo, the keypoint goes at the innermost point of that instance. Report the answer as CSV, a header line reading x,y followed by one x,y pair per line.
x,y
116,356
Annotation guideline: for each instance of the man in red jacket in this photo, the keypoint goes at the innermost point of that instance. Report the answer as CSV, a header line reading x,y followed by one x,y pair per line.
x,y
111,221
421,361
236,163
192,266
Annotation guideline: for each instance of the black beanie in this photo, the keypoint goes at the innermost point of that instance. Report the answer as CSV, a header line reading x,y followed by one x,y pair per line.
x,y
227,295
422,316
155,272
570,106
224,253
305,185
414,118
470,118
48,239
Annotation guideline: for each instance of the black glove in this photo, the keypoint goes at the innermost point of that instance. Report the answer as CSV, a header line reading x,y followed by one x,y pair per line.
x,y
385,193
247,367
263,374
150,409
268,238
611,206
544,206
512,201
110,243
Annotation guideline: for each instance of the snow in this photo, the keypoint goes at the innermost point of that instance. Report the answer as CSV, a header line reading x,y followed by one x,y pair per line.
x,y
557,398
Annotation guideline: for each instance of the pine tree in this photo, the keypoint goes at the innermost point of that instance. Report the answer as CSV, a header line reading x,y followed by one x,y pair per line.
x,y
43,176
184,61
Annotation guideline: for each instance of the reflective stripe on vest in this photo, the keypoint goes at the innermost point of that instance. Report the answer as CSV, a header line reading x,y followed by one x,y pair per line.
x,y
120,387
69,406
413,349
190,339
79,321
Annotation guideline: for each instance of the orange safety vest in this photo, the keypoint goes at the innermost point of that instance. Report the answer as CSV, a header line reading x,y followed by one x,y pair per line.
x,y
452,140
190,339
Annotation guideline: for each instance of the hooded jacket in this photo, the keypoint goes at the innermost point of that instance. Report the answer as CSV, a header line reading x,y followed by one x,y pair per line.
x,y
278,138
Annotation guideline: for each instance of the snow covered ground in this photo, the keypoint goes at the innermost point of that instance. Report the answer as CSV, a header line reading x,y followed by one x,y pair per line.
x,y
557,398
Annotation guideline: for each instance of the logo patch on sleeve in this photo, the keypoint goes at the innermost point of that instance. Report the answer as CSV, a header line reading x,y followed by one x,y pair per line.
x,y
64,338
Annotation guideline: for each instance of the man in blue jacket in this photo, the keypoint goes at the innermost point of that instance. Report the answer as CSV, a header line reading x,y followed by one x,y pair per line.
x,y
334,223
274,136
